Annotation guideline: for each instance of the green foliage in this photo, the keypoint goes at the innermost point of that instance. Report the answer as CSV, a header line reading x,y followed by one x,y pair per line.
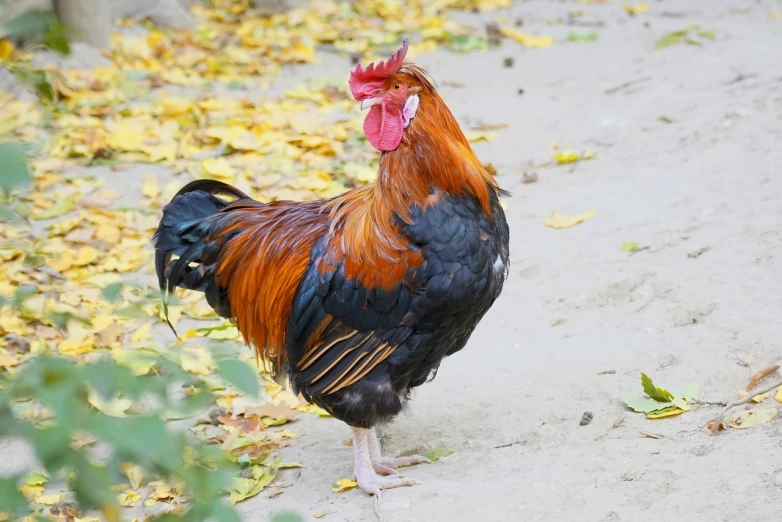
x,y
692,35
38,26
13,168
240,375
63,387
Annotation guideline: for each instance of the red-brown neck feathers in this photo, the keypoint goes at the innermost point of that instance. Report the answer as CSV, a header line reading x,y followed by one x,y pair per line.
x,y
434,155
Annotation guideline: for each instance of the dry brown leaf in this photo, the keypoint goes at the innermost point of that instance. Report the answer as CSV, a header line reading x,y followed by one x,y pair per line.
x,y
618,421
759,376
715,427
322,513
652,435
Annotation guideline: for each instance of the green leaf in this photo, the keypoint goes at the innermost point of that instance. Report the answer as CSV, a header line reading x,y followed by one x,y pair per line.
x,y
14,171
646,405
56,39
111,291
286,517
629,246
33,22
437,453
658,394
11,499
38,80
591,36
240,375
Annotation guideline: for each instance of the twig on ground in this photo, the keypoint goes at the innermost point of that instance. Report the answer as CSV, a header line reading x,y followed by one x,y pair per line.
x,y
707,403
739,402
625,85
508,445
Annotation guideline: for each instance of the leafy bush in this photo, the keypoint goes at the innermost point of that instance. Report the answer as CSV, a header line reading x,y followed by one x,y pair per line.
x,y
61,392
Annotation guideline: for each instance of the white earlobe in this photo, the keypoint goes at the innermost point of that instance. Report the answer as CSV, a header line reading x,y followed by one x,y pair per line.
x,y
411,106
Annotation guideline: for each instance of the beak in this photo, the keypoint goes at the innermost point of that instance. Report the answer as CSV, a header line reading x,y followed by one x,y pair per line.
x,y
369,102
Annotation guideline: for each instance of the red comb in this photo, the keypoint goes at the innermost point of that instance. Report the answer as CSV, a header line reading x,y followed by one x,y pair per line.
x,y
366,82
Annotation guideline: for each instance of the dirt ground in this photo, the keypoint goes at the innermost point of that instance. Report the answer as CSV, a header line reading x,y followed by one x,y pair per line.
x,y
689,143
689,139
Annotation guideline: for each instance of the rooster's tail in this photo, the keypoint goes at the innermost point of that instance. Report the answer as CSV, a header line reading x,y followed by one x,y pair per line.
x,y
187,230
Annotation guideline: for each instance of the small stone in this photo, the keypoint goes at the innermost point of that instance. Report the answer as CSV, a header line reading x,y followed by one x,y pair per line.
x,y
508,61
529,177
520,91
586,418
778,480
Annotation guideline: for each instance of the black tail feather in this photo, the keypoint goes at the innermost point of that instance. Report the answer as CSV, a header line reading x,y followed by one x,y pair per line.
x,y
183,232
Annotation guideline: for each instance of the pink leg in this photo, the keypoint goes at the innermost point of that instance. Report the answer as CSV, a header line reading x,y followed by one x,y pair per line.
x,y
366,474
387,465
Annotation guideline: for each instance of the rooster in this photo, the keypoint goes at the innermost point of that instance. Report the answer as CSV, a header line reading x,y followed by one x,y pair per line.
x,y
355,299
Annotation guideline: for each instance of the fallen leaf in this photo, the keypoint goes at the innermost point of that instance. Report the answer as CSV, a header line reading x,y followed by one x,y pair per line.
x,y
636,9
322,513
652,435
778,395
437,453
344,485
527,40
665,413
629,246
756,399
591,36
113,407
135,474
658,394
751,418
618,421
48,499
128,498
759,376
715,426
560,221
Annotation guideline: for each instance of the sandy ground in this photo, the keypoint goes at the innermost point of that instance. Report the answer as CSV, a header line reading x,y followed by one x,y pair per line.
x,y
689,143
575,304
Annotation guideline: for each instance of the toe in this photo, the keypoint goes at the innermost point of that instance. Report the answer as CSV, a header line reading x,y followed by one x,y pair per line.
x,y
383,469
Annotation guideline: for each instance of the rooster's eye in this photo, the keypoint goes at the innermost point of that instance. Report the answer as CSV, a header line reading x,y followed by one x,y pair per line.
x,y
397,87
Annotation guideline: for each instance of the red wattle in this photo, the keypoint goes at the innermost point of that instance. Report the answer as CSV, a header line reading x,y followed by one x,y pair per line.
x,y
383,126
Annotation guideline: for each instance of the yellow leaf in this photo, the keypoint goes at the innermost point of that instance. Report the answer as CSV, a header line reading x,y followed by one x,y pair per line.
x,y
150,187
31,491
757,399
778,395
566,156
665,413
128,498
134,472
636,9
344,485
198,361
113,407
527,40
748,419
6,49
218,168
48,499
85,256
560,221
141,334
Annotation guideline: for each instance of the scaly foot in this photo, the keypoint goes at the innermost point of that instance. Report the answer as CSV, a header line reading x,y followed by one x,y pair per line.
x,y
367,471
388,465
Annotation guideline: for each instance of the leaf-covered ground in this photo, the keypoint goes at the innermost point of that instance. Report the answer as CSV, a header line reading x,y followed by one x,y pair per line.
x,y
640,142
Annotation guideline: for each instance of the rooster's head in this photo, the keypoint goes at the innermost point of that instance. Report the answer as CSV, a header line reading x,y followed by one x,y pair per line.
x,y
392,96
